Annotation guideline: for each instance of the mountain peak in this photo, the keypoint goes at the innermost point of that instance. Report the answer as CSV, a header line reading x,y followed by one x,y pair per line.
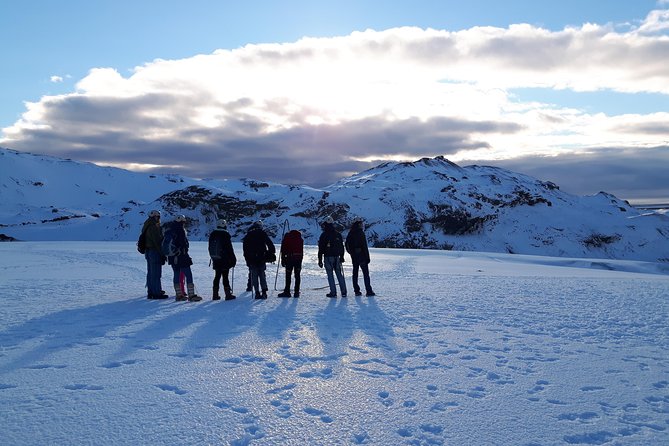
x,y
427,203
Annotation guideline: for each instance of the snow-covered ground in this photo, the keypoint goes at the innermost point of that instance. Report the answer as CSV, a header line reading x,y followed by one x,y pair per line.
x,y
458,349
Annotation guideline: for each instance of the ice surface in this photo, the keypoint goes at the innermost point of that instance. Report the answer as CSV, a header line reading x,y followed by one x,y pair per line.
x,y
457,348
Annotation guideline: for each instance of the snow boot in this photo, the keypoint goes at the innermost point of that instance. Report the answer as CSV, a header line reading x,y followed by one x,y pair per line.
x,y
286,293
214,293
296,293
228,294
192,297
331,295
179,294
370,293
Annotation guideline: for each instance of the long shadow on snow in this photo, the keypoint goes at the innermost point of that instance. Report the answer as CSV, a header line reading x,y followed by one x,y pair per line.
x,y
221,321
214,319
70,328
334,326
276,322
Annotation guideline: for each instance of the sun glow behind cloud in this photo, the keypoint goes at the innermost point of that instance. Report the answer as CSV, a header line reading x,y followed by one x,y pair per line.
x,y
302,111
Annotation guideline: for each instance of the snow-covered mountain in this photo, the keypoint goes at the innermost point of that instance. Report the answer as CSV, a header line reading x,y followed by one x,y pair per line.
x,y
429,203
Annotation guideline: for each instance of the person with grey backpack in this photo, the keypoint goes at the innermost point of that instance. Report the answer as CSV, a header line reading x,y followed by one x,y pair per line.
x,y
331,255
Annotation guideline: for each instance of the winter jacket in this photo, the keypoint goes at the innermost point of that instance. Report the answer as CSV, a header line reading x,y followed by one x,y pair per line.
x,y
154,234
228,259
330,242
256,245
356,244
292,248
182,259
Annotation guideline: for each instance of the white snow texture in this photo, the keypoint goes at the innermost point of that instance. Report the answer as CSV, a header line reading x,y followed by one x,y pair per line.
x,y
456,349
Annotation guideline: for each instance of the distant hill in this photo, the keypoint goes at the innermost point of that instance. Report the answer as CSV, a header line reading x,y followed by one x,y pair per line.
x,y
430,203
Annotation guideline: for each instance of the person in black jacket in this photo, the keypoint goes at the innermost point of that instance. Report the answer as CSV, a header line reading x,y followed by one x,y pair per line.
x,y
223,258
258,249
331,254
356,246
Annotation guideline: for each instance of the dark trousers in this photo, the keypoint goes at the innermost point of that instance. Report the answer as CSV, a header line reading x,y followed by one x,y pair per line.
x,y
290,268
365,274
225,273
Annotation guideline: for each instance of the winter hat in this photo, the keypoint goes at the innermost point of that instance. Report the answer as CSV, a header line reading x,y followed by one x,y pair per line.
x,y
154,213
221,223
180,218
329,220
357,219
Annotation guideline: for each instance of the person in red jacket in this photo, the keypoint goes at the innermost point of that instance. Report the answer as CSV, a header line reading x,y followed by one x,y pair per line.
x,y
292,252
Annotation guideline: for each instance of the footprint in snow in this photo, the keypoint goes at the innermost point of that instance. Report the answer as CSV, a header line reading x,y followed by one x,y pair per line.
x,y
114,365
173,389
385,400
45,366
82,387
539,387
227,405
477,392
443,406
318,413
582,417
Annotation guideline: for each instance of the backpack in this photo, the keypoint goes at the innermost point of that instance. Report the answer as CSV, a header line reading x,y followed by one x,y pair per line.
x,y
216,246
168,247
293,245
141,243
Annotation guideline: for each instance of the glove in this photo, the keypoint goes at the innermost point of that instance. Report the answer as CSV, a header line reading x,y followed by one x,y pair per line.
x,y
341,259
320,263
163,260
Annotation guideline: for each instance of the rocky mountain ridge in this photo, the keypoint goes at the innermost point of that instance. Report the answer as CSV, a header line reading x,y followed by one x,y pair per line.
x,y
431,203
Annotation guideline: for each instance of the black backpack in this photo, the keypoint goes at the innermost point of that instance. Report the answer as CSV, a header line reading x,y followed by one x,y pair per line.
x,y
141,243
216,245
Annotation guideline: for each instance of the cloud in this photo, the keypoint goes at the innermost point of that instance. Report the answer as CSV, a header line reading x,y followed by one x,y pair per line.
x,y
616,170
56,79
319,108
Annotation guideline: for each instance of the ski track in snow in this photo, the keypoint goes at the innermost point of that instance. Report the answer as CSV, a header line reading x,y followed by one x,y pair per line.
x,y
438,357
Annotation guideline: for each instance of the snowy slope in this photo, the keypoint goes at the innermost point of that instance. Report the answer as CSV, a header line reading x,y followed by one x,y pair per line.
x,y
430,203
457,349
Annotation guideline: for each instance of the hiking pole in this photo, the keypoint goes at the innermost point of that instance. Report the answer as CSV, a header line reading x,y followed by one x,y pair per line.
x,y
278,263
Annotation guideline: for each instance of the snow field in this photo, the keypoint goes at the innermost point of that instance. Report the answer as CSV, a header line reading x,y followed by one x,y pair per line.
x,y
457,348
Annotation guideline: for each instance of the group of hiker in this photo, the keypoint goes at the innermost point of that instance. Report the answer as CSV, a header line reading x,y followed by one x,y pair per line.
x,y
168,243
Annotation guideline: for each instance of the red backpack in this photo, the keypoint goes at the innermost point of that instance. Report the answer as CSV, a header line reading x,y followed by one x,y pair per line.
x,y
292,246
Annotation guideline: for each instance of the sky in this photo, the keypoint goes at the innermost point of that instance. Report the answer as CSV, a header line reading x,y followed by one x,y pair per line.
x,y
299,92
